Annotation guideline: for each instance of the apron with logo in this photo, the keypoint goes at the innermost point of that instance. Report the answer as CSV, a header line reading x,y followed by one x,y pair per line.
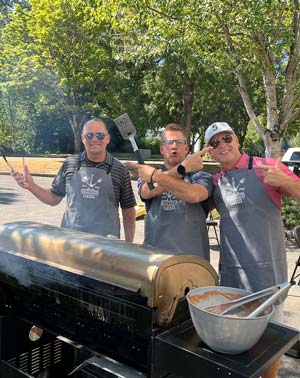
x,y
253,254
177,226
91,203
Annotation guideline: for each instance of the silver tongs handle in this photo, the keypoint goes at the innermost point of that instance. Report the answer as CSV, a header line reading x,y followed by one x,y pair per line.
x,y
283,288
249,298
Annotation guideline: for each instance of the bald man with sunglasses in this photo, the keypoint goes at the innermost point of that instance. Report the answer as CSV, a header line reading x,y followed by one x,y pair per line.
x,y
248,195
95,185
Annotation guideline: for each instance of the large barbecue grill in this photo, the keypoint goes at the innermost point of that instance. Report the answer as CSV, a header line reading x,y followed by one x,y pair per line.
x,y
118,309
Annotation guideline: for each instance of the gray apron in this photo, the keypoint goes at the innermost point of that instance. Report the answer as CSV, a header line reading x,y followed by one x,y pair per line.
x,y
253,254
91,203
177,226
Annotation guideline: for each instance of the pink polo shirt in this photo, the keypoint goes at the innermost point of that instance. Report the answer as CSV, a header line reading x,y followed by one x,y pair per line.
x,y
275,193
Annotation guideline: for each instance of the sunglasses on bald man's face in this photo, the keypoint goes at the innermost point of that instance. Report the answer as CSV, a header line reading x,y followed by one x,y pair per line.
x,y
90,136
215,143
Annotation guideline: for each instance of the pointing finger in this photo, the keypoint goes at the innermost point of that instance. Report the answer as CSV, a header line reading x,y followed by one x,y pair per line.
x,y
205,150
278,162
266,167
131,164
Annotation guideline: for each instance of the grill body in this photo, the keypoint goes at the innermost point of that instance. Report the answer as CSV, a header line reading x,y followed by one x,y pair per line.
x,y
109,309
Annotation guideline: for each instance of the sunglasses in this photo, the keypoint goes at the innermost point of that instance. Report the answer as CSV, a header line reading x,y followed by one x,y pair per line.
x,y
169,142
90,136
215,143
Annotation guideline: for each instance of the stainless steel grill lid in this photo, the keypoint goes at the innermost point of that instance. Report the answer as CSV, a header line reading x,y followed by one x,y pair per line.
x,y
161,277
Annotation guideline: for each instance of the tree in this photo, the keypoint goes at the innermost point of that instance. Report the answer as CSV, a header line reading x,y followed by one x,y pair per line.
x,y
70,42
253,144
159,60
262,38
258,41
140,37
15,112
73,42
56,60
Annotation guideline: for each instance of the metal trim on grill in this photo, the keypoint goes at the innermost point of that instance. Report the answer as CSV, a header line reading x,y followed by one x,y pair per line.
x,y
157,275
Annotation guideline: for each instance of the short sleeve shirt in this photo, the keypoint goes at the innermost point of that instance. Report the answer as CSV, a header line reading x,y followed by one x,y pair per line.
x,y
275,193
119,173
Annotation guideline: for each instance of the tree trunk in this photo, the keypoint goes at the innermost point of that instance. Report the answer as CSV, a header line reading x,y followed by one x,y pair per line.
x,y
188,98
278,117
272,144
76,122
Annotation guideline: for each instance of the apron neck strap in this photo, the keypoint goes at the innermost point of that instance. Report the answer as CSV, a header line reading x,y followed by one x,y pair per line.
x,y
250,163
78,162
109,169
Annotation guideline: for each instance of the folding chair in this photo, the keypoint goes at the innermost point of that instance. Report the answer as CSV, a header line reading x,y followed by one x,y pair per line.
x,y
210,222
294,351
297,238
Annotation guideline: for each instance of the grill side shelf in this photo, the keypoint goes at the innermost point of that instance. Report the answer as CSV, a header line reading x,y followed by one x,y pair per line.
x,y
179,351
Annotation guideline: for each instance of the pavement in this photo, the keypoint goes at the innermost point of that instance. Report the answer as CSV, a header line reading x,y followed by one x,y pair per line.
x,y
17,204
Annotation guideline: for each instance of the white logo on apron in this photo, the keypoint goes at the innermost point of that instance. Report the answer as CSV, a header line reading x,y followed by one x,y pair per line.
x,y
90,189
235,192
168,201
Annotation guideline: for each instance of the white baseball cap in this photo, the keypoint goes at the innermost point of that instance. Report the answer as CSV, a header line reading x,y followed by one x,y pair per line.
x,y
216,128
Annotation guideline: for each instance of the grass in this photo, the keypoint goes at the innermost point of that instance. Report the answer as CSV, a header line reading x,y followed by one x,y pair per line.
x,y
36,165
50,165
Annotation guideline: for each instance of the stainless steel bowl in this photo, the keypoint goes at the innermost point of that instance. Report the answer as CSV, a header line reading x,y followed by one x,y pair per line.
x,y
221,333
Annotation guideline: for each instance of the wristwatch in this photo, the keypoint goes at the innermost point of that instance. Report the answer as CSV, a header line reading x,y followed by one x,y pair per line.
x,y
181,170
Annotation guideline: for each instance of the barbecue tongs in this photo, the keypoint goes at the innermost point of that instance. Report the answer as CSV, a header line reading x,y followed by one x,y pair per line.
x,y
6,161
224,308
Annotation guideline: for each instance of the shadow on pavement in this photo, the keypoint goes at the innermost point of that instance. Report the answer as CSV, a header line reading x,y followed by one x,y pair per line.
x,y
7,198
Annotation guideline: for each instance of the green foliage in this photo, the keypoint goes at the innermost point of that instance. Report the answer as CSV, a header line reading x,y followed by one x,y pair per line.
x,y
253,144
295,141
290,213
152,143
63,61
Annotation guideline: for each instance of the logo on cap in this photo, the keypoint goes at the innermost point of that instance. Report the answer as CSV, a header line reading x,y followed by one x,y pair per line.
x,y
215,127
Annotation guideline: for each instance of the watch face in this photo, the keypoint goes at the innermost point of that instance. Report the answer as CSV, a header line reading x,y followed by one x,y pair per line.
x,y
181,170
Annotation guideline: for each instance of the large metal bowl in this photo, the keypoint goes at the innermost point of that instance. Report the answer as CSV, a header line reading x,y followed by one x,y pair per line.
x,y
221,333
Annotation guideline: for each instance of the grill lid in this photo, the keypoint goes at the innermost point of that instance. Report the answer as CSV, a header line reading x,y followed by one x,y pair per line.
x,y
159,276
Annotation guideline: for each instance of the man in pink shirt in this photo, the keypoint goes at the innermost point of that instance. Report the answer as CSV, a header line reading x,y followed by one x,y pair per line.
x,y
248,195
275,192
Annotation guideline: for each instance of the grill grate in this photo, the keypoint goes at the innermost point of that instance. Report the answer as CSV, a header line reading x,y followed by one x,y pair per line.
x,y
42,357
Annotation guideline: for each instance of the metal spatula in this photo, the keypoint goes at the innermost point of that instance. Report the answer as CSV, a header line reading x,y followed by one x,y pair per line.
x,y
128,132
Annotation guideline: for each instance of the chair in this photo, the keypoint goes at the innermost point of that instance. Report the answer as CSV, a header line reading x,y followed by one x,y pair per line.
x,y
294,351
297,238
210,222
297,234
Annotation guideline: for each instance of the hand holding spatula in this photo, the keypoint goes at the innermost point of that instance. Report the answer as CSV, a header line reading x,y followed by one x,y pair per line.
x,y
128,132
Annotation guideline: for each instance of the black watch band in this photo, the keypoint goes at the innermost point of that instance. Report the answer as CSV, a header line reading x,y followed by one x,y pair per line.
x,y
181,170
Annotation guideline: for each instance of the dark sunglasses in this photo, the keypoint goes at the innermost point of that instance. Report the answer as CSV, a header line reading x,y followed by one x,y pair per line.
x,y
169,142
90,136
215,143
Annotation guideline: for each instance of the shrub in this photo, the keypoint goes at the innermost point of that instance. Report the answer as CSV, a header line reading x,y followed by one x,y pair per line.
x,y
290,213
